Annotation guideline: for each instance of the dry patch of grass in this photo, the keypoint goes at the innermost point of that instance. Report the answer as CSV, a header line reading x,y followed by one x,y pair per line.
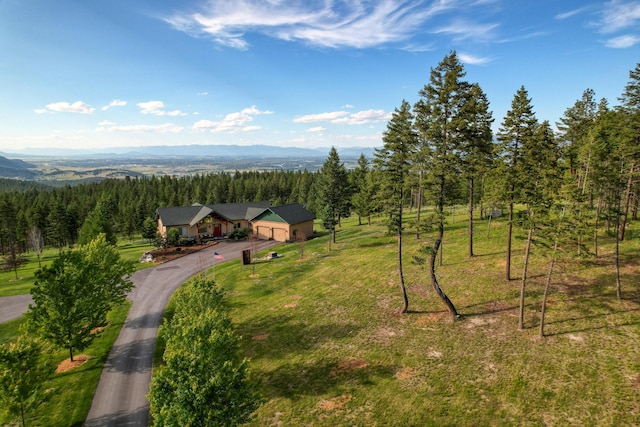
x,y
335,403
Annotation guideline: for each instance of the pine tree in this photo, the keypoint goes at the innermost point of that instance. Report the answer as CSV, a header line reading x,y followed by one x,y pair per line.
x,y
517,127
393,162
333,192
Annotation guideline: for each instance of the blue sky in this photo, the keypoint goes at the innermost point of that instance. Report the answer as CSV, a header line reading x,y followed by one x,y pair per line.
x,y
307,73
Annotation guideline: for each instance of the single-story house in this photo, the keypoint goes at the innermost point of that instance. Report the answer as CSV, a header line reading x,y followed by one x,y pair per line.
x,y
285,222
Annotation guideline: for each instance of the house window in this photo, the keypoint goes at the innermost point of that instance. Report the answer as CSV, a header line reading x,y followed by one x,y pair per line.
x,y
237,225
183,231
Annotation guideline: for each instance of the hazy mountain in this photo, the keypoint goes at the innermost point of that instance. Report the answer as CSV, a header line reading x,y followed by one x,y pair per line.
x,y
15,168
196,151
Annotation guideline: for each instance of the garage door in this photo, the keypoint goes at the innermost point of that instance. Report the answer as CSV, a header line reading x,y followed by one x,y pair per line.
x,y
279,234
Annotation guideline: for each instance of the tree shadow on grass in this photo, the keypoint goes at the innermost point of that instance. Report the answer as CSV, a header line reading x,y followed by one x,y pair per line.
x,y
311,378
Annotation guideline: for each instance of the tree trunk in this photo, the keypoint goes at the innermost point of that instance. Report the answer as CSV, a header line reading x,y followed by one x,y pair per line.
x,y
434,279
419,206
595,229
509,234
405,298
524,277
471,217
617,256
546,288
627,203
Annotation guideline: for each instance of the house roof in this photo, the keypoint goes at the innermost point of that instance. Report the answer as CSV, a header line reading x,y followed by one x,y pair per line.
x,y
179,215
234,211
293,213
192,215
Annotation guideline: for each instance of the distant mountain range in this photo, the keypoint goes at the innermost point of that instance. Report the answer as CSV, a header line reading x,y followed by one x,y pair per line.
x,y
237,151
15,169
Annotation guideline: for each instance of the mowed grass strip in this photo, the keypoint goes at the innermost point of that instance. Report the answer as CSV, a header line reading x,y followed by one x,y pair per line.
x,y
324,335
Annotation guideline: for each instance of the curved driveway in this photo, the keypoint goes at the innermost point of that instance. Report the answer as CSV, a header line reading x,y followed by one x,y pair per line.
x,y
121,396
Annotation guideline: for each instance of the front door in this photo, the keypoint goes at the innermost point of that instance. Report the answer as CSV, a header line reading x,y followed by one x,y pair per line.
x,y
217,230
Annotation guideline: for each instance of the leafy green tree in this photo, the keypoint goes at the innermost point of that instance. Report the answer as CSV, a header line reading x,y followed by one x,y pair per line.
x,y
393,161
204,381
73,295
517,127
441,117
22,376
333,192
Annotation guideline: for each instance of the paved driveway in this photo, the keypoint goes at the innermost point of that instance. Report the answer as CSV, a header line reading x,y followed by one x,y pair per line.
x,y
121,396
14,307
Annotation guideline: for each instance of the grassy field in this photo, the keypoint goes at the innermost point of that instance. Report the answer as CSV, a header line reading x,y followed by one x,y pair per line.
x,y
10,285
324,335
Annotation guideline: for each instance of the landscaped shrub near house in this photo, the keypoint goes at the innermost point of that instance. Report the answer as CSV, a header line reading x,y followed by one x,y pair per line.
x,y
240,234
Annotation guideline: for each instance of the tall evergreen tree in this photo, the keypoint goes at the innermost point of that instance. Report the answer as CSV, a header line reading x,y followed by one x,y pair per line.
x,y
332,192
393,161
517,127
441,120
477,147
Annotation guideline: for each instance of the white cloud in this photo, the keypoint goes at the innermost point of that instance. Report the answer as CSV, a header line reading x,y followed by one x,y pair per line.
x,y
156,108
232,122
327,23
65,107
316,129
472,59
344,117
619,15
163,128
202,93
622,42
115,103
566,15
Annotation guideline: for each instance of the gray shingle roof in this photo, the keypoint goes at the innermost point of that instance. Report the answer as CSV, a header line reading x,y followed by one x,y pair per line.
x,y
234,211
293,213
183,215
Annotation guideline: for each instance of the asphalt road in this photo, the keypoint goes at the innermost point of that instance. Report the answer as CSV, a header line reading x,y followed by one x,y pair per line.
x,y
121,396
14,307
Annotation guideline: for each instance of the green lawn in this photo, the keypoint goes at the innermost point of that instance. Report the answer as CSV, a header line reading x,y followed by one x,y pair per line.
x,y
9,285
324,335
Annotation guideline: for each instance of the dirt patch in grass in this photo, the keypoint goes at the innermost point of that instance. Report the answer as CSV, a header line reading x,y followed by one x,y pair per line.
x,y
260,337
67,365
335,403
291,305
406,373
348,365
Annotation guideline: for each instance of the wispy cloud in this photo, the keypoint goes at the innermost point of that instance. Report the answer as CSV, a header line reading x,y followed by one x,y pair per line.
x,y
345,117
622,42
464,30
65,107
619,15
472,59
570,13
115,103
156,108
316,129
325,23
232,122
